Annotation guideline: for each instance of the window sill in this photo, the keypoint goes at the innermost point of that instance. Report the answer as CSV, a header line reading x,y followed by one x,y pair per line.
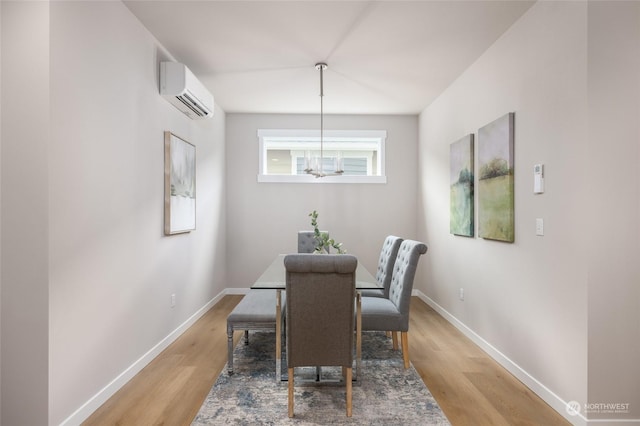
x,y
326,179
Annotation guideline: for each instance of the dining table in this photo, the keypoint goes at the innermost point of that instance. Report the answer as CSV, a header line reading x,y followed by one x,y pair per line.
x,y
274,278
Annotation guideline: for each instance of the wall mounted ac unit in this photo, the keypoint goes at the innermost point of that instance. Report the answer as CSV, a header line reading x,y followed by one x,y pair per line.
x,y
180,87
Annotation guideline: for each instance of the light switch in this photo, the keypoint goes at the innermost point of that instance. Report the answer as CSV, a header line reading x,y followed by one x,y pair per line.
x,y
539,226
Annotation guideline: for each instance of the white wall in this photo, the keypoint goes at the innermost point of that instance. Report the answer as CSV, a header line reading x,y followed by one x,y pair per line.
x,y
87,273
25,226
264,218
614,209
527,301
112,269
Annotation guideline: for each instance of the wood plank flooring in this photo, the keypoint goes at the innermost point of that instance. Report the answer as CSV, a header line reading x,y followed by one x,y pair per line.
x,y
471,388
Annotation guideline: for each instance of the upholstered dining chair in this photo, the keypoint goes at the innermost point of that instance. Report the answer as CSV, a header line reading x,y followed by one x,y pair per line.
x,y
392,313
384,271
320,290
306,242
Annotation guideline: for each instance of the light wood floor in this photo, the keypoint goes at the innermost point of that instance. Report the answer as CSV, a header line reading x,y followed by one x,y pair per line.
x,y
471,388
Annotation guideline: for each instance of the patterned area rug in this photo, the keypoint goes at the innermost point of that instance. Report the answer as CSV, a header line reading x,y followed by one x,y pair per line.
x,y
384,394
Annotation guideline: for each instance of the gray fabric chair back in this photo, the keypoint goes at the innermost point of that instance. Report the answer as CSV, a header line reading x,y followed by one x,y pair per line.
x,y
404,270
320,291
386,261
307,242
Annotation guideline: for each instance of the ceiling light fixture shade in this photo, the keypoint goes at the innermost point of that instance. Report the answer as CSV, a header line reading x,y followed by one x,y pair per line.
x,y
314,166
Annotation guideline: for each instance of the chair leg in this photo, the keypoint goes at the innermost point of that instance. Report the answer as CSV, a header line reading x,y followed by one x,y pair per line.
x,y
358,333
405,348
394,337
230,350
278,336
349,391
290,370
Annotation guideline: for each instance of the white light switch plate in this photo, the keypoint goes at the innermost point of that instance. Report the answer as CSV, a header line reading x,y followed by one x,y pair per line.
x,y
539,226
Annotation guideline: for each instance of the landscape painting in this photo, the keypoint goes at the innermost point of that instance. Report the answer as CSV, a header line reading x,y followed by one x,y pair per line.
x,y
495,180
461,189
179,185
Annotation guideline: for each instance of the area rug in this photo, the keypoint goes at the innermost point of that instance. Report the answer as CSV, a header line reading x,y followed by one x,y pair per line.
x,y
384,394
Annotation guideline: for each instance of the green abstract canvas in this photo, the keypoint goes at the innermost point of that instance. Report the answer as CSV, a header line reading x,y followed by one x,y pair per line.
x,y
495,180
461,189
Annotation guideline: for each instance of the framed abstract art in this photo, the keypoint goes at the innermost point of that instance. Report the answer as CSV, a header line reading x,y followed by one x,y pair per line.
x,y
461,189
495,180
179,185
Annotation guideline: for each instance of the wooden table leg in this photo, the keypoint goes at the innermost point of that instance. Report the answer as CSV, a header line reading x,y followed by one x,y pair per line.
x,y
349,392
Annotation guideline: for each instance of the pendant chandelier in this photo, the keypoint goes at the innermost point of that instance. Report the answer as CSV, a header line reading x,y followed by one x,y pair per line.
x,y
315,165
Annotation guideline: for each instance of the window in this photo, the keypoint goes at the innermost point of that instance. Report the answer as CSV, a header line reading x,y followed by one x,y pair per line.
x,y
284,155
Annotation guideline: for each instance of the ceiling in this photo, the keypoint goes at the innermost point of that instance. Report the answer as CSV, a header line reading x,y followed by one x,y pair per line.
x,y
384,57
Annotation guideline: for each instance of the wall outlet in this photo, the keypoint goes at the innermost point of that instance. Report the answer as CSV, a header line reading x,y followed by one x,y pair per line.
x,y
461,294
173,300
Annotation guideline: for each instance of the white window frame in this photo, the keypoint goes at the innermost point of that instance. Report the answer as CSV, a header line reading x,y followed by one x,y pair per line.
x,y
297,138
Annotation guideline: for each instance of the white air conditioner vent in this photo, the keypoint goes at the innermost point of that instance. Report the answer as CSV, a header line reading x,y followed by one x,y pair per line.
x,y
182,89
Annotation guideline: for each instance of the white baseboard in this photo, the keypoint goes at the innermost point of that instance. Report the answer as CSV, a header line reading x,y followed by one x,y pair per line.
x,y
82,413
531,382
